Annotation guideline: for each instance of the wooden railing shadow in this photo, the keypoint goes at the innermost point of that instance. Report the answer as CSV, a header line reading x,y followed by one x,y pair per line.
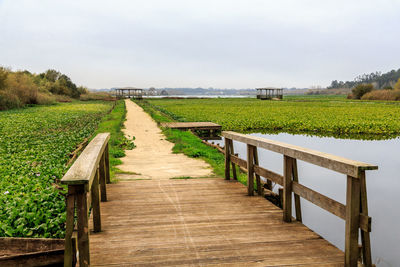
x,y
355,212
86,180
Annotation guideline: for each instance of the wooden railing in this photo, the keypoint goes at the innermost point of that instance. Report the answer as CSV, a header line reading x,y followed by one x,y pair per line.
x,y
86,180
355,212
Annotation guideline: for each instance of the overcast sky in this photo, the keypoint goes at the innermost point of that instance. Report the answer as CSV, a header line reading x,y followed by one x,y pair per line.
x,y
218,43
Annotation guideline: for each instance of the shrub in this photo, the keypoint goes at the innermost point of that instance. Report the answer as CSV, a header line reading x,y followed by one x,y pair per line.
x,y
361,90
390,95
9,101
63,98
45,99
95,96
22,85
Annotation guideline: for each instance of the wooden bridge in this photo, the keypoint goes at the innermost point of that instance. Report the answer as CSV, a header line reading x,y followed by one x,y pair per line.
x,y
208,221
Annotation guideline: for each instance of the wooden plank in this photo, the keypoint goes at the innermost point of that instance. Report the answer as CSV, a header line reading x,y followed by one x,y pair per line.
x,y
84,168
200,222
332,162
232,152
276,178
227,159
250,170
96,203
83,227
258,181
296,196
238,161
365,238
352,221
287,188
70,208
107,161
320,200
103,177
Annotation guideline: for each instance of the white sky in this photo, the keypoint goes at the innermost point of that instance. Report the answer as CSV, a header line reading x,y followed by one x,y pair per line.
x,y
219,43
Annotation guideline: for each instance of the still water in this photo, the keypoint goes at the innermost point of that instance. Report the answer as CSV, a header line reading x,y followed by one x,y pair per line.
x,y
383,186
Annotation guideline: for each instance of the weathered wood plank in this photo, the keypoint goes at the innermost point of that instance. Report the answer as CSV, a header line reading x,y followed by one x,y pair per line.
x,y
83,227
329,161
276,178
84,168
352,221
287,188
296,196
227,159
201,222
95,192
250,170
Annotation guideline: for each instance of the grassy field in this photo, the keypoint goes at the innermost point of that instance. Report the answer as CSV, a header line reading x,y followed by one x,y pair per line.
x,y
318,115
34,147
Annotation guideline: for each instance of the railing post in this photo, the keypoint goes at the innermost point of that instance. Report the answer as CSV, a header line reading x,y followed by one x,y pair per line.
x,y
250,170
352,221
258,179
365,238
107,160
287,188
83,226
227,159
70,206
103,177
96,203
232,151
296,197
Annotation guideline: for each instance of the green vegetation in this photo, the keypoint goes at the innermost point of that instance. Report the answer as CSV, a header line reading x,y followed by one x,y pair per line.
x,y
34,147
189,144
21,88
361,89
113,123
319,116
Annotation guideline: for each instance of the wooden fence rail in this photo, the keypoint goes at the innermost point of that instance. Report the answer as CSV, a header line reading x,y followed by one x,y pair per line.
x,y
86,180
355,212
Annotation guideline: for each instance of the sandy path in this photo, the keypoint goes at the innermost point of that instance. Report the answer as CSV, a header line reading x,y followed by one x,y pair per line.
x,y
153,158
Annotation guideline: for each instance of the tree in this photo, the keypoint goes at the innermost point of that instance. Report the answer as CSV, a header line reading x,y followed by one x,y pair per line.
x,y
3,77
397,85
361,90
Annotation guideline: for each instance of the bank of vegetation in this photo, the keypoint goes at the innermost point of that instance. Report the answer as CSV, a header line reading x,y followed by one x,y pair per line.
x,y
21,88
327,117
35,147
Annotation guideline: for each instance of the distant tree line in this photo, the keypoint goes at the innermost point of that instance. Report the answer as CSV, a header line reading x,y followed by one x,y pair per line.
x,y
377,79
20,88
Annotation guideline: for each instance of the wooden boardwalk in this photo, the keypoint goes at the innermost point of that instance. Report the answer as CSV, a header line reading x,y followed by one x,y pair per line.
x,y
199,222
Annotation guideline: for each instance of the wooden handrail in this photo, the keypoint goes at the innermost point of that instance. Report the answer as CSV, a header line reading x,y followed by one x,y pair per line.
x,y
86,180
329,161
355,212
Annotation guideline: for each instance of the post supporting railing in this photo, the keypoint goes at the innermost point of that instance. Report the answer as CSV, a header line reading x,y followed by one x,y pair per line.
x,y
86,180
355,212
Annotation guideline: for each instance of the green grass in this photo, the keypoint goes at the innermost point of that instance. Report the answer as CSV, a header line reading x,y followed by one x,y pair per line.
x,y
34,146
190,145
113,123
315,115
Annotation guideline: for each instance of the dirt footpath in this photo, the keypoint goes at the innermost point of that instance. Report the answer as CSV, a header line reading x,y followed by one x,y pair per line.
x,y
153,158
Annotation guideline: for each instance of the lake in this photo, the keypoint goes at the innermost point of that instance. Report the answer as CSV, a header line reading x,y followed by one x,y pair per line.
x,y
383,186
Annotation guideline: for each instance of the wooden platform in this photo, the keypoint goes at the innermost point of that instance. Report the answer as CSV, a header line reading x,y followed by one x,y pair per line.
x,y
192,125
200,222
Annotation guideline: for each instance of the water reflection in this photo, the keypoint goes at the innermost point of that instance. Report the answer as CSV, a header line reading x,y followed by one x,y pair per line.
x,y
382,185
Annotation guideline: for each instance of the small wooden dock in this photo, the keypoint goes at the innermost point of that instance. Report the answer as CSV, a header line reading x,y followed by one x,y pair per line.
x,y
192,126
204,130
199,222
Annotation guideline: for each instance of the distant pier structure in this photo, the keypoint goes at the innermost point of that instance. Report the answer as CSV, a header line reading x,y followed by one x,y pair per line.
x,y
269,93
129,92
